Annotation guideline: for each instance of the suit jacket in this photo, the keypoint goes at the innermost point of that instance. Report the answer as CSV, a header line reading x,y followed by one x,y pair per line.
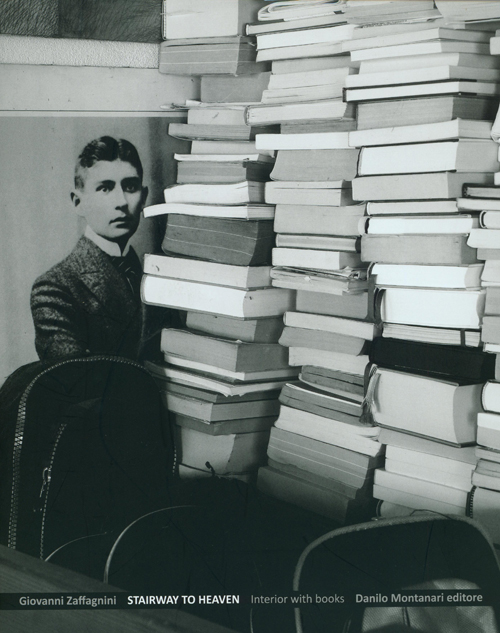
x,y
83,305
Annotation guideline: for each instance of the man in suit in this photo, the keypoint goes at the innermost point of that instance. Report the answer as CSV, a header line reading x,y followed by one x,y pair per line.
x,y
90,302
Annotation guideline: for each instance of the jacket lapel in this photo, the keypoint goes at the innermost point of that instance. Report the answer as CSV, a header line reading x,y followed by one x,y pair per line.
x,y
103,280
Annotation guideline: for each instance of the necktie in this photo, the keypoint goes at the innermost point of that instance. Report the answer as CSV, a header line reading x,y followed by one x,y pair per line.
x,y
130,268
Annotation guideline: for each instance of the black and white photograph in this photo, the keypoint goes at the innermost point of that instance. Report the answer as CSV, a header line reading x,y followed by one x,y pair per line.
x,y
250,316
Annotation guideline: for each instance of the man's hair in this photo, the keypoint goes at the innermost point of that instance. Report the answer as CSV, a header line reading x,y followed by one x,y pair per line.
x,y
106,148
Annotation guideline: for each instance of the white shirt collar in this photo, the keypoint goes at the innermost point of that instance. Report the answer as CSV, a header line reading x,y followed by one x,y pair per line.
x,y
111,248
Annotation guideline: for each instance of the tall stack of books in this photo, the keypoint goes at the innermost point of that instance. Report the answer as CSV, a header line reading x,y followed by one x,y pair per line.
x,y
425,96
321,456
223,372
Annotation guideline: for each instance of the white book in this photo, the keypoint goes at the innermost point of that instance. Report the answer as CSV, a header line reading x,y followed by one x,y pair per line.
x,y
460,481
417,75
410,207
469,60
277,113
455,129
240,211
316,140
427,89
462,309
245,277
337,361
413,225
311,78
421,488
417,502
337,325
409,275
202,297
235,193
211,383
484,238
305,36
421,48
463,155
271,374
315,259
358,438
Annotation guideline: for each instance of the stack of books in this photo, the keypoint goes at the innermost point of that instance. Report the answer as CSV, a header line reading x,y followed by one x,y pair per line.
x,y
222,374
321,455
424,95
204,38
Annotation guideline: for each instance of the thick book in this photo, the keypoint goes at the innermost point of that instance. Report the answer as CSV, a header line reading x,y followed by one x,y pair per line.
x,y
426,186
303,141
233,356
227,374
318,220
351,306
424,110
487,475
439,409
220,114
303,93
202,297
229,89
310,78
484,238
352,436
390,64
318,126
311,496
489,219
492,301
309,64
314,165
490,329
456,87
197,18
222,147
338,361
266,114
266,330
438,361
445,250
335,325
318,49
428,47
234,454
466,155
462,309
439,336
446,472
316,260
320,459
336,282
247,277
420,133
427,489
415,225
202,395
292,25
215,384
468,277
225,427
239,193
428,448
318,242
323,194
335,382
328,34
234,242
212,132
488,428
405,499
424,74
475,189
227,172
219,411
313,400
412,207
491,397
236,212
209,56
460,12
323,340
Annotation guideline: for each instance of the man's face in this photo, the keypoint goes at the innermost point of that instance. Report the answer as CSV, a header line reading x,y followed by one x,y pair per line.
x,y
111,200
